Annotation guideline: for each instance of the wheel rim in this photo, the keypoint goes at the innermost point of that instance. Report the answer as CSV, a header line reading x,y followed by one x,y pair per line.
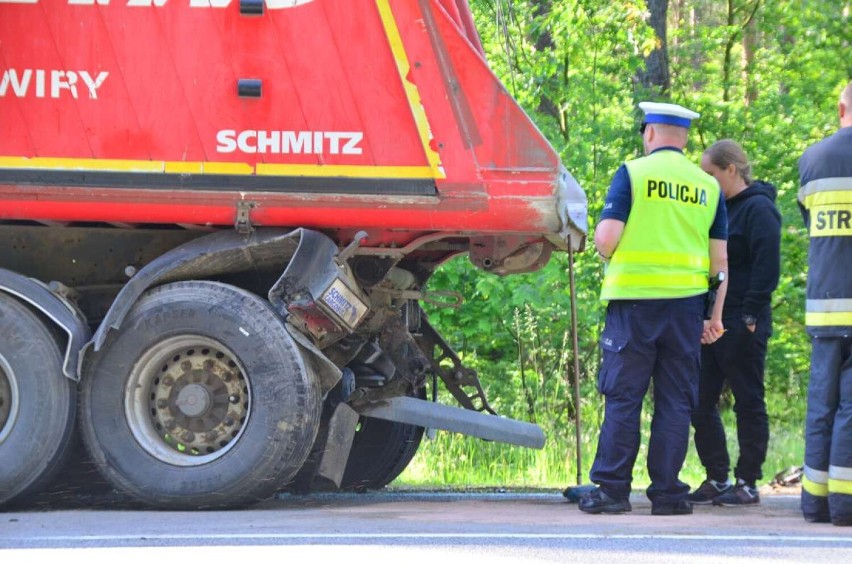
x,y
8,399
187,400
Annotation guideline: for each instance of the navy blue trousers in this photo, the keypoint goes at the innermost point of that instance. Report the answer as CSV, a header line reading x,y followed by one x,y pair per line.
x,y
645,340
739,358
827,488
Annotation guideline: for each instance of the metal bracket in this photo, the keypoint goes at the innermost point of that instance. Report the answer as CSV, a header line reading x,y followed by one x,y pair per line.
x,y
462,382
350,249
243,222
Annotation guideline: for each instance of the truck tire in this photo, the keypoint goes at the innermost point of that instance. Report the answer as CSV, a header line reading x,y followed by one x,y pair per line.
x,y
37,403
381,450
200,400
78,484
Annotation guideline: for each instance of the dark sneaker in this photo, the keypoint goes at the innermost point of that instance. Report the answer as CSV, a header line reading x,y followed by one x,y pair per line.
x,y
741,494
708,491
681,507
596,501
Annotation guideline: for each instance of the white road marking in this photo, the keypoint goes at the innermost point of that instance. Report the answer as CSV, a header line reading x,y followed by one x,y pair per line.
x,y
441,536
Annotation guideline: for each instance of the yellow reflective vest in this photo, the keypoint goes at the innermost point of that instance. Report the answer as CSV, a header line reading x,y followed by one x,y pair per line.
x,y
664,249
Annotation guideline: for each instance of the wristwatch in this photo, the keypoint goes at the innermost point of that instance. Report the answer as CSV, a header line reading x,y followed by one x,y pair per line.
x,y
749,319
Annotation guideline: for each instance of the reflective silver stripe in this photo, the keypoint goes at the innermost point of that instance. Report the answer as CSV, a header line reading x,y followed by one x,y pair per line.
x,y
826,306
840,473
816,476
825,185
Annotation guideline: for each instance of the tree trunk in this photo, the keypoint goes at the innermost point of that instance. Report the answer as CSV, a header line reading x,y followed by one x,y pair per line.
x,y
750,39
655,76
729,46
541,8
697,51
679,14
543,41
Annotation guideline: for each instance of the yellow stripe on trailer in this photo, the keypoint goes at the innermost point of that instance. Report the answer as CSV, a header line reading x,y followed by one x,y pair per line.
x,y
106,165
345,171
220,168
411,91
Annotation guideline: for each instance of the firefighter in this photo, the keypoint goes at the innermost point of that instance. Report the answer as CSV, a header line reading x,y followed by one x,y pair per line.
x,y
825,199
662,232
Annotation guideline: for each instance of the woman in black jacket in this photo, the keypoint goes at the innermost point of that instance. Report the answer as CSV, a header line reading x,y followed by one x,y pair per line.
x,y
739,357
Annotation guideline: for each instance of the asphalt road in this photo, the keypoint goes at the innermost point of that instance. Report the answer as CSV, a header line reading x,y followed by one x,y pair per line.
x,y
418,527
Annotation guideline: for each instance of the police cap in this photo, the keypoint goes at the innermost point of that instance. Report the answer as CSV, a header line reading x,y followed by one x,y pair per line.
x,y
670,114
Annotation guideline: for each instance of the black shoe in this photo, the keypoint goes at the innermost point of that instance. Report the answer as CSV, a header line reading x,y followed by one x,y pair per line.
x,y
596,501
681,507
741,494
841,521
708,491
817,518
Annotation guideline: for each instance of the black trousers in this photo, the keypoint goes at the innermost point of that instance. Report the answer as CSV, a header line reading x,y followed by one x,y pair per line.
x,y
739,358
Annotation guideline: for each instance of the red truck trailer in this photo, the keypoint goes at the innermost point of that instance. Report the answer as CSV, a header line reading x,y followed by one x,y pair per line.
x,y
217,222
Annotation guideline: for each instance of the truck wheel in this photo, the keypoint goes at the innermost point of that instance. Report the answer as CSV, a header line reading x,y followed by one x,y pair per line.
x,y
200,400
37,403
79,484
381,450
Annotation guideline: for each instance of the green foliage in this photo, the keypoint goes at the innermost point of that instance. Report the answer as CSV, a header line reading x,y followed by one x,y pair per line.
x,y
572,65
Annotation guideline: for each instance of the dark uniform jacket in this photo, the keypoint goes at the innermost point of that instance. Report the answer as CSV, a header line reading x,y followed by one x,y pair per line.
x,y
825,198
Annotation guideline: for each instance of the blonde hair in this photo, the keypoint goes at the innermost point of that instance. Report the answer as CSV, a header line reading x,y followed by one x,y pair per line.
x,y
727,152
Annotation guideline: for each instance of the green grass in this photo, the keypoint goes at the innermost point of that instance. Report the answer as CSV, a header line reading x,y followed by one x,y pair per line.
x,y
453,460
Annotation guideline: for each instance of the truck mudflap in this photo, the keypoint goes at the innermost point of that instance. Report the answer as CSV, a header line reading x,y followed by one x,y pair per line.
x,y
317,292
437,416
215,254
55,308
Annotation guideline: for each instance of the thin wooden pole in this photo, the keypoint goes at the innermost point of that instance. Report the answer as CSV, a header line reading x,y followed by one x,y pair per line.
x,y
576,346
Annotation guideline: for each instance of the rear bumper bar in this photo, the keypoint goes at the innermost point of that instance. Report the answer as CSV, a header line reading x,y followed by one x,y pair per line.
x,y
437,416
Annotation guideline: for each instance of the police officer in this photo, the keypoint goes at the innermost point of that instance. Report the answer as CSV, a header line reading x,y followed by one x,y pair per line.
x,y
662,232
825,198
